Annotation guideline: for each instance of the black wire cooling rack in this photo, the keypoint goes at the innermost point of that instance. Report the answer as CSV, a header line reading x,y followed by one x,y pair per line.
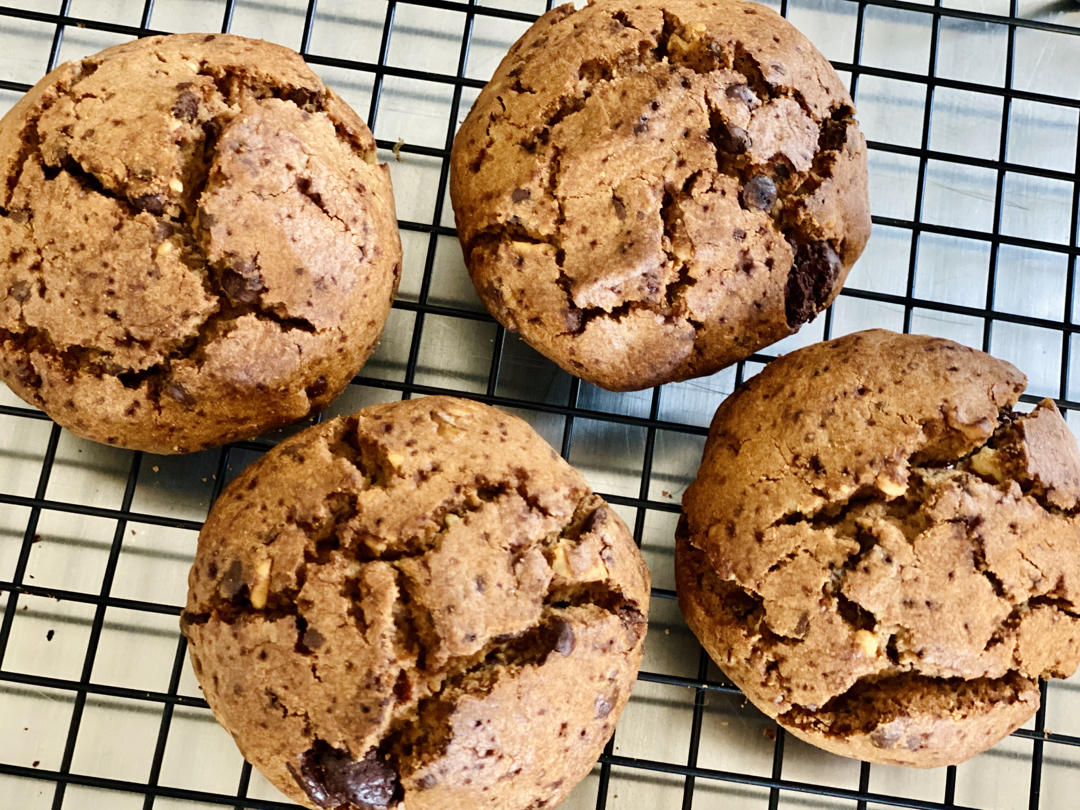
x,y
971,108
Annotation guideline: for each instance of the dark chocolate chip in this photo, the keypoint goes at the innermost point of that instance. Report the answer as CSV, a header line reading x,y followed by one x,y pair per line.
x,y
233,581
20,290
242,287
574,320
520,194
810,282
759,193
620,207
642,125
884,736
403,688
802,627
333,779
186,107
738,234
26,375
165,229
312,639
731,139
317,388
176,391
598,516
741,92
151,203
564,639
603,705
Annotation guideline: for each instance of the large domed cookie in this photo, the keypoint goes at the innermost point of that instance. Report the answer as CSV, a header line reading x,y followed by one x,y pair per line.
x,y
197,243
881,553
649,191
420,605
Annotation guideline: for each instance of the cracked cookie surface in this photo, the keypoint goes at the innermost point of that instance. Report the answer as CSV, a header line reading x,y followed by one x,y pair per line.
x,y
197,243
419,604
651,191
881,553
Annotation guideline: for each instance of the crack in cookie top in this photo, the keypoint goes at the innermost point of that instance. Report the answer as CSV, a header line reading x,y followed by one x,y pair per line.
x,y
198,243
650,191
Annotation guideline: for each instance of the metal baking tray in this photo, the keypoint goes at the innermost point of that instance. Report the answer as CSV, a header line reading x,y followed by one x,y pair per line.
x,y
971,109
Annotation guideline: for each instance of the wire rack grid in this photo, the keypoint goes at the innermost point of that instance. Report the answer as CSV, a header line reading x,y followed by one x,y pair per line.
x,y
971,111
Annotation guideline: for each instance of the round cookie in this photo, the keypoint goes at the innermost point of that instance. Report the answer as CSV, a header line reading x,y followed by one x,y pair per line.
x,y
649,191
421,605
198,243
881,553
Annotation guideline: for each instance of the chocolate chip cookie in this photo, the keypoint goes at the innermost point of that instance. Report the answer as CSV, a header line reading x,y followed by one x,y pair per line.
x,y
419,606
881,553
649,191
197,243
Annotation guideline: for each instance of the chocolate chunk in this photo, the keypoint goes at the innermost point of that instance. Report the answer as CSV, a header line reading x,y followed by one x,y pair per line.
x,y
312,639
802,627
885,736
564,638
811,280
176,391
603,705
20,290
759,193
620,207
574,320
598,515
730,139
741,92
317,388
520,194
186,107
165,229
738,234
233,581
333,779
151,203
26,375
242,284
403,688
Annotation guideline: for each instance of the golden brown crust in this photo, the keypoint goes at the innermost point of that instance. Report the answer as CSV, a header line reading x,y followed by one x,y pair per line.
x,y
423,595
200,244
650,191
873,527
